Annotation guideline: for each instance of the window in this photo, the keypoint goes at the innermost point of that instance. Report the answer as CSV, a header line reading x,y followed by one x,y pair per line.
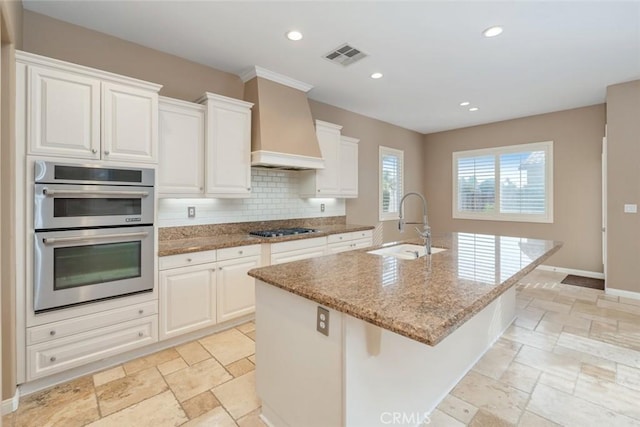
x,y
391,182
513,183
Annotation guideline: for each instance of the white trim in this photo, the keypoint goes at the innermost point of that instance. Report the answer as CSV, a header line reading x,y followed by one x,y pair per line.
x,y
495,215
382,151
214,97
11,405
43,61
165,101
583,273
333,126
622,293
257,71
285,160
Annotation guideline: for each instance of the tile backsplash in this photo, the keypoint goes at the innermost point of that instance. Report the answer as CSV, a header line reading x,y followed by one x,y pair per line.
x,y
274,196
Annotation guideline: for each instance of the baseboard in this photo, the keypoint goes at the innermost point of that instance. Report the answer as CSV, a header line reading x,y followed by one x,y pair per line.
x,y
622,293
583,273
10,405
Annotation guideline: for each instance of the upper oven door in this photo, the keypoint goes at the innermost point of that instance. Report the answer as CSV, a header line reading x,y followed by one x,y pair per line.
x,y
76,206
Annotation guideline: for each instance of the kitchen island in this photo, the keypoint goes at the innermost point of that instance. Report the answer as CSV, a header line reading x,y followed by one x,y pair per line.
x,y
400,333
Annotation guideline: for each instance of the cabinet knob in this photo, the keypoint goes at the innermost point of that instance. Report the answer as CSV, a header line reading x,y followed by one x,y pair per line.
x,y
52,358
318,191
189,260
240,252
94,151
201,188
340,237
106,152
219,268
140,334
140,311
248,188
52,332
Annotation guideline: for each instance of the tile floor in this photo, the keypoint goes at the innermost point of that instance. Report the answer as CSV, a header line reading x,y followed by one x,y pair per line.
x,y
572,358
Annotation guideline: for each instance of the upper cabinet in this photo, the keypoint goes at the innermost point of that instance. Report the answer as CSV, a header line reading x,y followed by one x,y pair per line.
x,y
181,148
228,146
78,112
339,178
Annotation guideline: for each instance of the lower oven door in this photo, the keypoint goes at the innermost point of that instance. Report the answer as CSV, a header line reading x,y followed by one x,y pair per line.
x,y
78,266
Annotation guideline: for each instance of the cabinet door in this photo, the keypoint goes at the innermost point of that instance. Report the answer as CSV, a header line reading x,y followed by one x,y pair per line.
x,y
228,150
348,167
328,179
187,299
64,114
130,123
283,257
336,248
181,149
236,289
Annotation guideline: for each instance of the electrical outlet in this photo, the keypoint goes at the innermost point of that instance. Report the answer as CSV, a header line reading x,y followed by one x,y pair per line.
x,y
322,321
321,207
191,211
630,208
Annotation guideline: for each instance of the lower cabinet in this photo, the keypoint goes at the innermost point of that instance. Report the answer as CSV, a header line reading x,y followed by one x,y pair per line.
x,y
296,250
196,296
344,242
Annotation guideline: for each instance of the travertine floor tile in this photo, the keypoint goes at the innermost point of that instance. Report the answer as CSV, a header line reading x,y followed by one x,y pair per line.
x,y
614,305
7,420
193,352
600,349
239,395
172,366
252,358
547,361
116,395
550,305
567,320
520,376
582,357
457,408
251,335
563,384
240,367
497,359
568,410
487,419
229,346
492,396
605,315
217,417
531,338
108,375
200,404
529,419
439,418
70,404
151,360
598,372
528,318
252,419
628,376
613,396
202,376
161,410
247,327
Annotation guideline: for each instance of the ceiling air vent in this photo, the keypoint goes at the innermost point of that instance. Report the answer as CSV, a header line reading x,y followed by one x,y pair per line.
x,y
345,55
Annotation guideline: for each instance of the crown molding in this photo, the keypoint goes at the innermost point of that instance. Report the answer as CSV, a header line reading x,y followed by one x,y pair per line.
x,y
257,71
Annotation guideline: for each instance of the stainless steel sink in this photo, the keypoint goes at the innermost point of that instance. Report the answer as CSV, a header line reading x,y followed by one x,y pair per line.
x,y
405,251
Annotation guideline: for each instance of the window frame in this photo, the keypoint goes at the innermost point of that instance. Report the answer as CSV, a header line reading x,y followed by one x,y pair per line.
x,y
495,215
388,151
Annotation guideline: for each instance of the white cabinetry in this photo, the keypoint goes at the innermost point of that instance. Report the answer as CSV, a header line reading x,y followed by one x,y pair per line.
x,y
344,242
181,147
66,344
228,146
339,178
204,288
296,250
79,112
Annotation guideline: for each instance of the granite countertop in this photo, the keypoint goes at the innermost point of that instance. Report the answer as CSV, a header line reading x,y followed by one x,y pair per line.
x,y
205,243
423,299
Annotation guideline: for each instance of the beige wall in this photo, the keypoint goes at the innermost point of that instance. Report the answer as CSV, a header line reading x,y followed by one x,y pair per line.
x,y
623,186
577,136
182,79
372,134
11,23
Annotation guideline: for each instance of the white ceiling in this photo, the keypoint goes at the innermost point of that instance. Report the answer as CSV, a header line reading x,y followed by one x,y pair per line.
x,y
552,55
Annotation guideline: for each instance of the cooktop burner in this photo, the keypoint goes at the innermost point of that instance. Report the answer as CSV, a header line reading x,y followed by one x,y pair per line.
x,y
282,232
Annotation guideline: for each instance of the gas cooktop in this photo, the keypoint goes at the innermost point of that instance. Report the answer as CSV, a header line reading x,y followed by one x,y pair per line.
x,y
282,232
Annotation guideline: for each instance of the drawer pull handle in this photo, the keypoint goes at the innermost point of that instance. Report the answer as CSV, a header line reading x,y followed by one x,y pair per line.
x,y
140,334
52,358
52,333
140,311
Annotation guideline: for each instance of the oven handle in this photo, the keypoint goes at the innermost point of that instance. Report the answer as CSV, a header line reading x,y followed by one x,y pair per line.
x,y
51,193
54,240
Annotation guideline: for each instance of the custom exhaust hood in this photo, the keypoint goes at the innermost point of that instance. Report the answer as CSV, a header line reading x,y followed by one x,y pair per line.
x,y
282,130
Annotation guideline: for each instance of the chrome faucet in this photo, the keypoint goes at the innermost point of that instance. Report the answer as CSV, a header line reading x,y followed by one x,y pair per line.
x,y
425,233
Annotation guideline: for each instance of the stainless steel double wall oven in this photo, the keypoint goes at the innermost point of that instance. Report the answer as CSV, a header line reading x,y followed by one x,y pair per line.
x,y
93,233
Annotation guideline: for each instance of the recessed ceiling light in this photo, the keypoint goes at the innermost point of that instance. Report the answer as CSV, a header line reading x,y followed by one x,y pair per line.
x,y
294,35
376,75
473,109
464,104
492,31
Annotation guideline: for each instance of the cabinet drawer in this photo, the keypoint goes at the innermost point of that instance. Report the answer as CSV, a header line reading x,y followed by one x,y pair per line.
x,y
66,353
298,244
354,235
64,328
185,260
364,234
238,252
